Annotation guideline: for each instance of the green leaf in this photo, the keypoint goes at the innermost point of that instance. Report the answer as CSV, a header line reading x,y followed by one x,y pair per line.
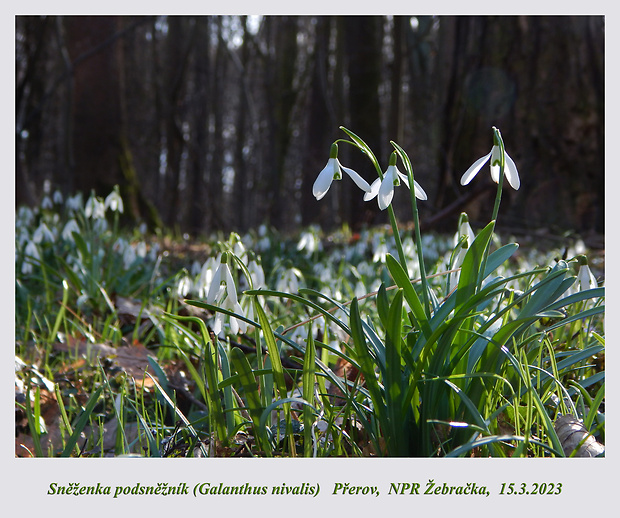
x,y
470,269
367,366
272,349
308,380
402,281
250,390
383,303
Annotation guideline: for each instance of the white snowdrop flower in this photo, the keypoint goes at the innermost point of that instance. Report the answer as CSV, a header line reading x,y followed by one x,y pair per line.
x,y
113,201
256,273
510,169
184,286
141,249
31,252
289,280
95,208
43,234
25,216
206,275
380,253
74,203
384,189
333,171
223,292
70,227
46,202
585,278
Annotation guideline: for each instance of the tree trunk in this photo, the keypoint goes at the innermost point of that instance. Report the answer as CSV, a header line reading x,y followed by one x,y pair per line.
x,y
363,44
96,131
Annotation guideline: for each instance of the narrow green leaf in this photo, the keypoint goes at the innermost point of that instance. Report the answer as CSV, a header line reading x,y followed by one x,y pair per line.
x,y
401,278
367,366
308,381
383,304
470,269
250,391
272,349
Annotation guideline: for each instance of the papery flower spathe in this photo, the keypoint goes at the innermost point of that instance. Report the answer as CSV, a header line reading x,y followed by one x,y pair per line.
x,y
333,171
510,168
384,189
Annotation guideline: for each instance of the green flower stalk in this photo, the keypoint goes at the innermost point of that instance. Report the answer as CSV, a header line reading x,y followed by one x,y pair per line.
x,y
416,223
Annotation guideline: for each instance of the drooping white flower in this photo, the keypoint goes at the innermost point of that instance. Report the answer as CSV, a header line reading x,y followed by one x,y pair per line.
x,y
257,273
43,234
46,203
114,202
288,278
95,208
31,253
69,229
510,168
381,252
223,292
309,241
384,189
74,203
586,279
333,171
184,286
206,276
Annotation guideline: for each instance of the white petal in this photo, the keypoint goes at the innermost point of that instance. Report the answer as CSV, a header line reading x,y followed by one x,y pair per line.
x,y
217,325
324,180
511,173
359,181
374,190
419,192
214,288
241,325
473,169
231,289
586,279
386,192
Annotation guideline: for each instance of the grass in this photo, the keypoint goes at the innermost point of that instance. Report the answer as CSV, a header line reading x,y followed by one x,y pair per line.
x,y
343,351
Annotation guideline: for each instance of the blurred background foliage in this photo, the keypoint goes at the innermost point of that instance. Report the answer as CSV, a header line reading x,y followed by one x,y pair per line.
x,y
223,122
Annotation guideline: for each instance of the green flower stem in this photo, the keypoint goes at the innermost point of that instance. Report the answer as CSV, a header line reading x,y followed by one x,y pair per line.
x,y
416,223
497,140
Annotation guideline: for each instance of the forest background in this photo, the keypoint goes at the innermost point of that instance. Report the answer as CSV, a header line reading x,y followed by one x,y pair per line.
x,y
223,122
